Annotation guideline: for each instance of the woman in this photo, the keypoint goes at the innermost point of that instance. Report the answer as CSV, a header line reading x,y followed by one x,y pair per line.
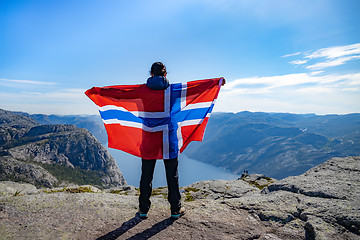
x,y
158,81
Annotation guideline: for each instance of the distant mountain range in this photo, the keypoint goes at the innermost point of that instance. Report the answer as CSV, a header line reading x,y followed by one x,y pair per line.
x,y
275,144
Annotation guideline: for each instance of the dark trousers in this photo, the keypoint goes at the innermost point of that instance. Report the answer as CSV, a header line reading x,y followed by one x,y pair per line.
x,y
172,178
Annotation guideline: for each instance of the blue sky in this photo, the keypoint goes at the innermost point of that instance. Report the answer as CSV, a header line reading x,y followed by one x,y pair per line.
x,y
300,56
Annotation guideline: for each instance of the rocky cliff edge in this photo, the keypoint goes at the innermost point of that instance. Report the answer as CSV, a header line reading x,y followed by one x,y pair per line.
x,y
322,203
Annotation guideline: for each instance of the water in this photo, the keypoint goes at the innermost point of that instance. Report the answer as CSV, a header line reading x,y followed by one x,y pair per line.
x,y
190,170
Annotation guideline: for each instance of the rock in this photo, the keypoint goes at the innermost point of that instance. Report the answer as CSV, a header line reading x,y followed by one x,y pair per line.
x,y
123,190
15,120
15,170
73,189
13,126
258,180
317,228
45,129
64,215
215,210
319,181
217,189
13,188
325,198
254,177
74,148
54,154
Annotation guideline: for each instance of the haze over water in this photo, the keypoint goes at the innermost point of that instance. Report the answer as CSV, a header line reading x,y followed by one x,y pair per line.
x,y
190,170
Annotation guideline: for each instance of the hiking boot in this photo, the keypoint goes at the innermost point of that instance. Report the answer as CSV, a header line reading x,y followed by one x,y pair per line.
x,y
177,215
142,215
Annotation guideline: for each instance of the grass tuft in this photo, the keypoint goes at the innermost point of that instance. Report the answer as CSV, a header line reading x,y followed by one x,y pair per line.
x,y
72,190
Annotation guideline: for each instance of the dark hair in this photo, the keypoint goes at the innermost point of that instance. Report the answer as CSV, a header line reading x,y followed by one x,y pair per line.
x,y
158,69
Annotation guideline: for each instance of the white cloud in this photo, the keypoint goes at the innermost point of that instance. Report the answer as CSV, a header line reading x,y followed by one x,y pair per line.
x,y
298,93
329,57
291,102
247,91
313,92
351,89
298,62
65,95
316,72
333,62
287,80
65,101
292,54
335,52
27,82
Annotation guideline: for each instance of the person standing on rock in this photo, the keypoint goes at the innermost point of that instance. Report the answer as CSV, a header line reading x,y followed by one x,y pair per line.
x,y
156,120
158,81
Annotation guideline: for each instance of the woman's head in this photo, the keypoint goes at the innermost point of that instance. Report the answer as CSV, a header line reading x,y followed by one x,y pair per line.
x,y
158,69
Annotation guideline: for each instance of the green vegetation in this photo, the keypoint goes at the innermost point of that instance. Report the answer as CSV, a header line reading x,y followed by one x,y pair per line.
x,y
116,191
269,179
65,174
17,193
190,189
159,191
75,175
188,196
253,183
261,187
121,192
72,190
137,191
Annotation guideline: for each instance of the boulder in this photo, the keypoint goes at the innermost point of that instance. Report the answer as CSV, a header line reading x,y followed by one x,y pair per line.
x,y
8,188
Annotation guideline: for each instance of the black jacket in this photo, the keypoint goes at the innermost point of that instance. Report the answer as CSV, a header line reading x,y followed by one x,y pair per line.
x,y
157,83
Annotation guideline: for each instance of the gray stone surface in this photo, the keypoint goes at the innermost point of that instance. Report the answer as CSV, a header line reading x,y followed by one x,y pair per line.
x,y
65,215
8,188
325,199
215,210
336,178
218,189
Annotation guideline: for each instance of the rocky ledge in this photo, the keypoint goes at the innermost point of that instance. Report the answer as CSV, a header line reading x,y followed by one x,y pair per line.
x,y
322,203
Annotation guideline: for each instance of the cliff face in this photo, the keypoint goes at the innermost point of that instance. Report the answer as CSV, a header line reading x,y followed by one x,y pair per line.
x,y
13,126
48,155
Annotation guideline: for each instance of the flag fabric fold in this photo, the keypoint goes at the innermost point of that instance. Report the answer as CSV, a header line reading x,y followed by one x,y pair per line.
x,y
155,124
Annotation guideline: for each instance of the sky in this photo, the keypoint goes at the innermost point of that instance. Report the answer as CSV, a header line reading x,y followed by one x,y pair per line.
x,y
299,56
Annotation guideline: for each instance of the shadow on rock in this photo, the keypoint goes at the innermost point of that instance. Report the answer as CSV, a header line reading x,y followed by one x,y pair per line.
x,y
155,229
126,226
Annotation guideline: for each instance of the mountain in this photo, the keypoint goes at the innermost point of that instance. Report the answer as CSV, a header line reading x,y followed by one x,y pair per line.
x,y
52,155
93,123
277,145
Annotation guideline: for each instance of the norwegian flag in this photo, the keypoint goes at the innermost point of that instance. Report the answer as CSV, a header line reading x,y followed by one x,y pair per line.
x,y
155,124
